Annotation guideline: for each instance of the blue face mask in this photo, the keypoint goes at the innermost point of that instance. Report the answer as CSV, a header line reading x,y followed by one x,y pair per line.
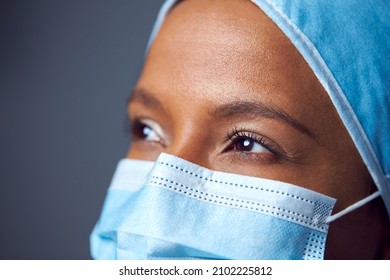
x,y
174,209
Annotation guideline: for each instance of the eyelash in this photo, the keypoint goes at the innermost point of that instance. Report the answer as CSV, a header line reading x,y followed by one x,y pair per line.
x,y
238,134
136,129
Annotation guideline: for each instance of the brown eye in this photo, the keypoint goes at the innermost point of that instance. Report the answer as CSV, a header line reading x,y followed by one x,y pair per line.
x,y
146,130
246,144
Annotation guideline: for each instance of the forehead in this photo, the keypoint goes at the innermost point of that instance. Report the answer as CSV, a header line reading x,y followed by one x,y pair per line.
x,y
236,34
214,51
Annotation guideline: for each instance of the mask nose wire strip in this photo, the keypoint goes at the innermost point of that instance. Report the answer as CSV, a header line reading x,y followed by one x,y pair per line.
x,y
354,206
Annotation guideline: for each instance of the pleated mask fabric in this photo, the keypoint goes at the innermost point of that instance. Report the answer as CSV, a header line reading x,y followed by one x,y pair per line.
x,y
174,209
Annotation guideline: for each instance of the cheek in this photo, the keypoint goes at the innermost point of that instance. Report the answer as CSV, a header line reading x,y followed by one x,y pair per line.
x,y
349,178
139,151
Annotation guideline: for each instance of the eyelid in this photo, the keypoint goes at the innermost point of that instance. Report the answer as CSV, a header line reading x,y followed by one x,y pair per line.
x,y
153,125
266,142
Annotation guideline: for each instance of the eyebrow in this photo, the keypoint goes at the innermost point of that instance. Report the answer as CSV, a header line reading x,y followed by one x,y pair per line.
x,y
144,97
254,109
250,109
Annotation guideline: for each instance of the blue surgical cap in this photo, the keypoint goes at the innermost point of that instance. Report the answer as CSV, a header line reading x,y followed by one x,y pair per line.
x,y
347,45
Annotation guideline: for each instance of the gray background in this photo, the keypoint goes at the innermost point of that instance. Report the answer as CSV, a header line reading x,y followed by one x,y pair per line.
x,y
66,69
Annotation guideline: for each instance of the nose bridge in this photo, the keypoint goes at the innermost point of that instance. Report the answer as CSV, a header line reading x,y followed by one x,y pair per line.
x,y
190,142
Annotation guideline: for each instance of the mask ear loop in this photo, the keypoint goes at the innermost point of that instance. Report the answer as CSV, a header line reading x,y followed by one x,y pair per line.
x,y
353,207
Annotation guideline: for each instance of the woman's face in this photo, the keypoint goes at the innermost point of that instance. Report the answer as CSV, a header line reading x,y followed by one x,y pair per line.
x,y
224,88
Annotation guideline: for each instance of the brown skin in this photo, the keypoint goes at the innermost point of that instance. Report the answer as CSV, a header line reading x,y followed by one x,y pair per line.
x,y
224,88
